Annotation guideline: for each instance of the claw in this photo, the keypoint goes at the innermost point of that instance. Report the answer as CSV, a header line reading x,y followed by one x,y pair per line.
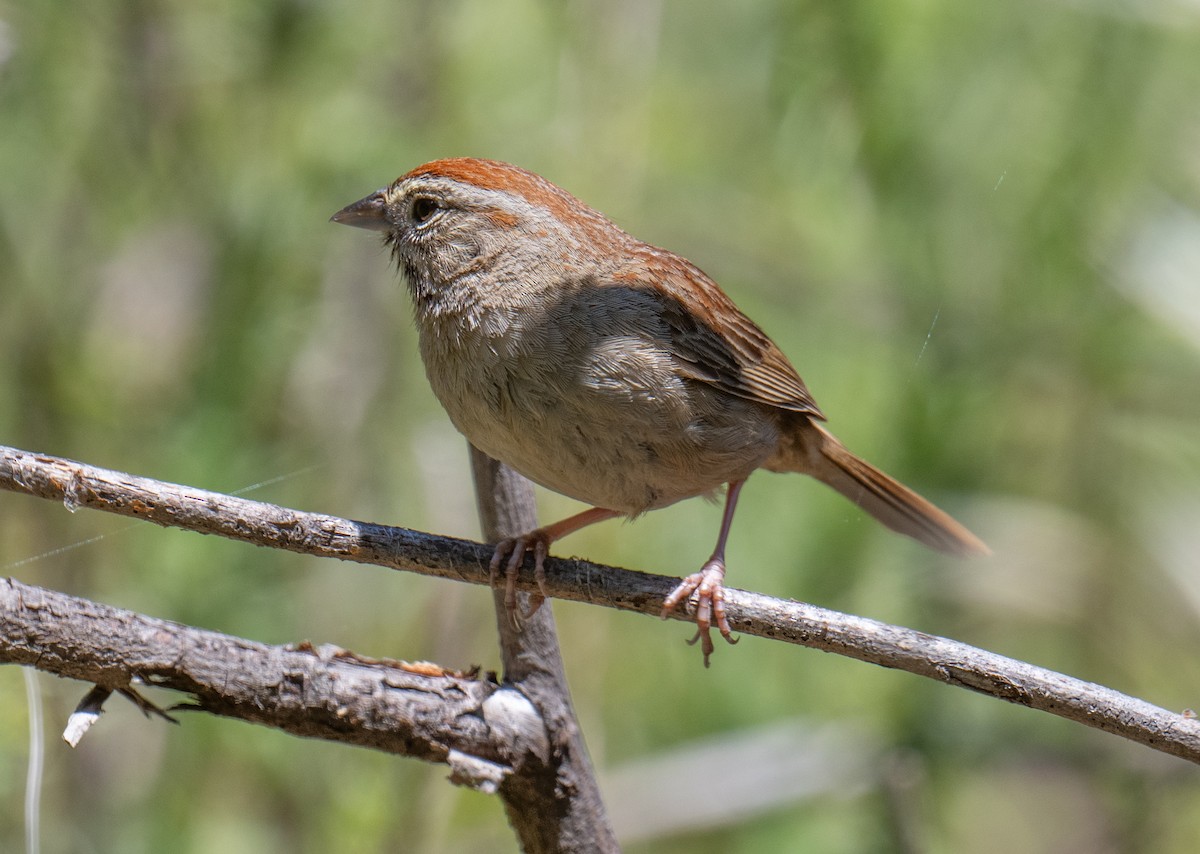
x,y
541,550
515,549
708,588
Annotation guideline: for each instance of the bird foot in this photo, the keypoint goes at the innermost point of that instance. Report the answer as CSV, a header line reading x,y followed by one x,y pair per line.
x,y
708,588
515,549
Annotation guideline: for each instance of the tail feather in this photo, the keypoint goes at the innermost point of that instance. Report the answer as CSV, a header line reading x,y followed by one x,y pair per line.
x,y
814,451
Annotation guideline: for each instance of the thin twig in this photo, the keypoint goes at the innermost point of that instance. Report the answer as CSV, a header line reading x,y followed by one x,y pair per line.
x,y
868,640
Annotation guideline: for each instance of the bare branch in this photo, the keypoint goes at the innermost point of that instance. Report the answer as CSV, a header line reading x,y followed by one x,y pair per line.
x,y
325,692
557,808
866,640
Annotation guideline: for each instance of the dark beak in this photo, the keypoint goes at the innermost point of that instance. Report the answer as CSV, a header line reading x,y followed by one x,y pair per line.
x,y
365,213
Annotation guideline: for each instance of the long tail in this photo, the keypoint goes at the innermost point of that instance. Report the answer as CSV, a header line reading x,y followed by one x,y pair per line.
x,y
812,450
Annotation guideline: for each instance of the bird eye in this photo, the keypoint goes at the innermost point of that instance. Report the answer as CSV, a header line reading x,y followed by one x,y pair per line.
x,y
422,209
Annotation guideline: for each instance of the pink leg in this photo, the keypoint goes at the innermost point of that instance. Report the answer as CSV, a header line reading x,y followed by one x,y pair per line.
x,y
515,549
708,586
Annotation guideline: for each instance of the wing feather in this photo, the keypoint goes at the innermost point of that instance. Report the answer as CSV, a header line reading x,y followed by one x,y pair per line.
x,y
731,352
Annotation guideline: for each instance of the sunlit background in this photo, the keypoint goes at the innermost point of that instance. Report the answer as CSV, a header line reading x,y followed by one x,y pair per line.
x,y
974,228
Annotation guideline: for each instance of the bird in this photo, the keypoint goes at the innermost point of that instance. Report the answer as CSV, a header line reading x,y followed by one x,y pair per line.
x,y
607,369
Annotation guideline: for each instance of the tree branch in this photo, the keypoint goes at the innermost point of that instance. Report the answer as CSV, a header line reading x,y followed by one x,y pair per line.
x,y
482,731
556,806
938,658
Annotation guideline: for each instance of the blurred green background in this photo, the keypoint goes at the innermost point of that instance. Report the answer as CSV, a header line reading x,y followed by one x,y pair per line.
x,y
974,228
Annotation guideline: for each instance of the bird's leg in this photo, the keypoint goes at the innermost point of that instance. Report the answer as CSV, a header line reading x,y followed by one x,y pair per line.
x,y
708,586
515,548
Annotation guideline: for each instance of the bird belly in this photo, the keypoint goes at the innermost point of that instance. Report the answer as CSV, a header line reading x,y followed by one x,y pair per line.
x,y
615,427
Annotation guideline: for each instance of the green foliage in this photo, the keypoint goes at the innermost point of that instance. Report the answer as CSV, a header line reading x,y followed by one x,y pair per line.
x,y
962,221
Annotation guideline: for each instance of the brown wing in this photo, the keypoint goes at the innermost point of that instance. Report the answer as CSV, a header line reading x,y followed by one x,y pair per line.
x,y
740,358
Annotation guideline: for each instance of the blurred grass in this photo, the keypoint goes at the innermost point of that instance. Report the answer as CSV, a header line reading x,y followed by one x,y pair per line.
x,y
941,211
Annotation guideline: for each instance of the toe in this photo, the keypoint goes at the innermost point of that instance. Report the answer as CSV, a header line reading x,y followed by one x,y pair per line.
x,y
681,593
502,549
